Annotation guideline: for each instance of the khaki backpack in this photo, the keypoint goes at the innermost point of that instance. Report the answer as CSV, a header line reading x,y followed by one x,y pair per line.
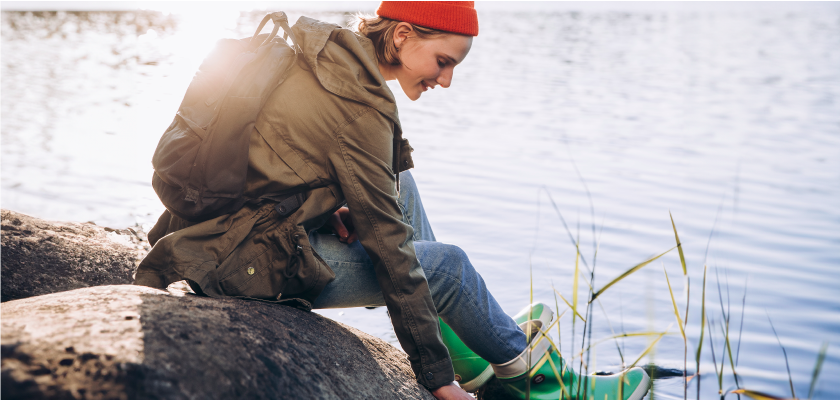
x,y
201,161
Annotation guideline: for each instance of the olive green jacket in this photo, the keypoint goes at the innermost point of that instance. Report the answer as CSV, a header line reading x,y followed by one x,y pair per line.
x,y
330,130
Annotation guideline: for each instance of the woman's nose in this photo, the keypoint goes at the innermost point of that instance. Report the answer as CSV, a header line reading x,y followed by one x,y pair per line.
x,y
445,78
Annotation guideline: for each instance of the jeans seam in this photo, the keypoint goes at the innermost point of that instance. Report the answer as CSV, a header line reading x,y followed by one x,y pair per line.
x,y
484,321
408,220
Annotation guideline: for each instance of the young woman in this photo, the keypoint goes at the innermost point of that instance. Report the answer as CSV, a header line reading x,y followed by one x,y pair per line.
x,y
331,132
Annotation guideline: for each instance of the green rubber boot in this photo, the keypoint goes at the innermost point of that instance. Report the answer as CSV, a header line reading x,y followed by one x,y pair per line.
x,y
541,381
472,371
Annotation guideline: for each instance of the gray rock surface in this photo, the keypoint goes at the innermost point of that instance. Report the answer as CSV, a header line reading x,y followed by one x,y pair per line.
x,y
41,257
133,342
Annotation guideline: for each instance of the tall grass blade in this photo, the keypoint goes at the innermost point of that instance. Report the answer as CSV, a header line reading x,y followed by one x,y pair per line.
x,y
682,331
528,333
720,296
685,341
628,273
568,304
588,195
566,226
702,328
530,310
589,307
702,320
674,302
564,391
650,347
719,374
607,318
687,299
714,226
741,329
557,312
790,377
622,335
679,245
758,395
575,281
728,298
817,369
725,329
728,350
620,322
556,322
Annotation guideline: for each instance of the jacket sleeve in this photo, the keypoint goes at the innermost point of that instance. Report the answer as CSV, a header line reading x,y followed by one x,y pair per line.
x,y
362,160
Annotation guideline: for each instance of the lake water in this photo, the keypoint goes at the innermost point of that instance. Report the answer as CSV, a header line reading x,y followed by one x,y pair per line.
x,y
728,116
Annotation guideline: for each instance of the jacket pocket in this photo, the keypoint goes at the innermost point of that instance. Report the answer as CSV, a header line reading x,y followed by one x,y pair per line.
x,y
275,260
245,274
297,266
247,270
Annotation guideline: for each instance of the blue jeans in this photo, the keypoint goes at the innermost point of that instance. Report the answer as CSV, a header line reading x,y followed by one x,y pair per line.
x,y
460,295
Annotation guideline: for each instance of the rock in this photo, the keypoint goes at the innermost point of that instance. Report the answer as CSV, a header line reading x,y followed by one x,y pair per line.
x,y
134,342
41,257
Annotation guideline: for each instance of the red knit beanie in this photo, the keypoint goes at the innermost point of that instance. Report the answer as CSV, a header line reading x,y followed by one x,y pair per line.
x,y
450,16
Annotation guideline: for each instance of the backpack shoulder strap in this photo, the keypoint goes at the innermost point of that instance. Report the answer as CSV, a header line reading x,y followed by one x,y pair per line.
x,y
280,21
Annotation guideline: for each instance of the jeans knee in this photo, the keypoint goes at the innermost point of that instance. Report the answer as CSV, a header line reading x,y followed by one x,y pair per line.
x,y
445,264
458,263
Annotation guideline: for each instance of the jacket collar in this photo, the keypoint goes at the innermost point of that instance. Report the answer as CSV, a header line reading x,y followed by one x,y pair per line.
x,y
345,64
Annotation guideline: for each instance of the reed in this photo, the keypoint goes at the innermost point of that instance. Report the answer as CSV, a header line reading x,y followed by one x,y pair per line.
x,y
682,331
753,394
728,353
629,272
575,281
757,395
528,333
784,352
679,244
719,374
727,348
702,328
741,329
570,305
817,368
650,347
683,325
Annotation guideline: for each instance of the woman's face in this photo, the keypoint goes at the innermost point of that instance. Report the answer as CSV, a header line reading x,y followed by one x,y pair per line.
x,y
426,63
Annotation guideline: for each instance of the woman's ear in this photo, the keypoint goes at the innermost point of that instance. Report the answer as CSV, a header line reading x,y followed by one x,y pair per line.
x,y
402,32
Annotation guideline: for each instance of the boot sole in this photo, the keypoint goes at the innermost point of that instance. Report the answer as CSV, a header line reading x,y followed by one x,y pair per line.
x,y
641,390
478,381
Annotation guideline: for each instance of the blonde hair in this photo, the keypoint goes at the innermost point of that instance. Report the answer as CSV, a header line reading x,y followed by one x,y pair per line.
x,y
380,31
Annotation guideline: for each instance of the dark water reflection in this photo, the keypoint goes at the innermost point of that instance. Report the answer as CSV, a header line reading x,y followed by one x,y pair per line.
x,y
730,119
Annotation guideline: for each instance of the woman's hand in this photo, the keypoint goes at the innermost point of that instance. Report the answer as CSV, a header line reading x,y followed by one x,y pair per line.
x,y
451,392
343,226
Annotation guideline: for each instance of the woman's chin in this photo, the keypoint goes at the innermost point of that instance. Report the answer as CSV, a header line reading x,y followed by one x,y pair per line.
x,y
413,96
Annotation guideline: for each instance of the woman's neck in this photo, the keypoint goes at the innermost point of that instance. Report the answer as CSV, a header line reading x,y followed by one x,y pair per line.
x,y
387,71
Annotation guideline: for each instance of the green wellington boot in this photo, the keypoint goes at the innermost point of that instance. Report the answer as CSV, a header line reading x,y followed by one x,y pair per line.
x,y
472,371
541,380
